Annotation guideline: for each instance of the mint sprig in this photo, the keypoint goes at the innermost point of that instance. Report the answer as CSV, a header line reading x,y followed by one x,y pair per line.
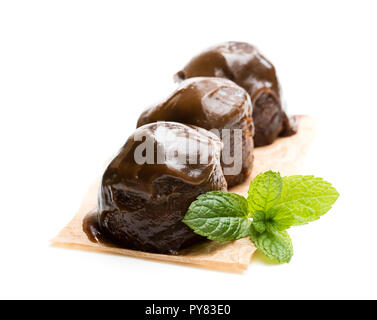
x,y
274,204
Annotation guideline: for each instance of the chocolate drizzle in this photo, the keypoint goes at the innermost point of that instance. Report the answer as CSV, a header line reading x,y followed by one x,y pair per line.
x,y
211,103
141,205
246,66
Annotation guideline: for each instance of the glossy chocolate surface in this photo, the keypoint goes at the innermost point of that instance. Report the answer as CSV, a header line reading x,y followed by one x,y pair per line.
x,y
243,64
210,103
204,102
165,136
141,205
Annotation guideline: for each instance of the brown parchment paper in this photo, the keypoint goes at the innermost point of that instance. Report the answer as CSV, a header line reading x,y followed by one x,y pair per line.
x,y
284,155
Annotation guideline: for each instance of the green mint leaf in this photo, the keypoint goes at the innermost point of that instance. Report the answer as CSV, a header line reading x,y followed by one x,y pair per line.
x,y
306,198
276,245
272,220
219,216
264,191
259,221
280,219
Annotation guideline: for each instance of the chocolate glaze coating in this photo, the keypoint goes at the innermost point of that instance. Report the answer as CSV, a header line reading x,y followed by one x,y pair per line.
x,y
211,103
243,64
141,206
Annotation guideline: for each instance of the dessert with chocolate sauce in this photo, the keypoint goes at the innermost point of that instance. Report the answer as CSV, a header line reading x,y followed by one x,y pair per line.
x,y
147,188
245,65
213,103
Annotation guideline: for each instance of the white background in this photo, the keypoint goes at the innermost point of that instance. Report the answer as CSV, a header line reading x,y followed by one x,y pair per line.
x,y
75,75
